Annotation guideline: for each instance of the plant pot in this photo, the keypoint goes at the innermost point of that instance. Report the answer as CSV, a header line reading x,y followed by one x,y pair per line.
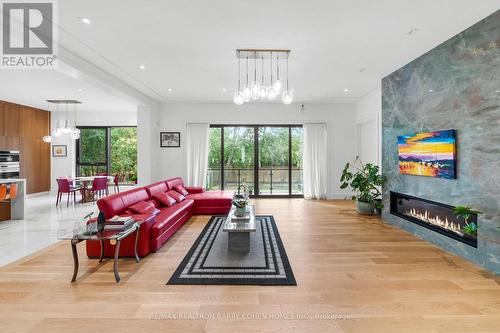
x,y
240,211
378,206
366,208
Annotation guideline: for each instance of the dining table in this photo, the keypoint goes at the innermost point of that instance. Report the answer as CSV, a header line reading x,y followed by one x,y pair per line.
x,y
85,183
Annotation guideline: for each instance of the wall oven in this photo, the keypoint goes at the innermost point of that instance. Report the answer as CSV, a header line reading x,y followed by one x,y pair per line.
x,y
9,164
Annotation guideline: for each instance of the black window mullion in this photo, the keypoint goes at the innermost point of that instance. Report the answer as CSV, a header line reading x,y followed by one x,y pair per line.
x,y
222,158
256,160
289,160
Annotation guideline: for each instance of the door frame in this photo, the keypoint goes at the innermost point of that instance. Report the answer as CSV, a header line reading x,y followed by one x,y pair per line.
x,y
256,157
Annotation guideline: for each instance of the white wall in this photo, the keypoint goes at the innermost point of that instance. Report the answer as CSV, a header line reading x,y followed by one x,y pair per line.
x,y
340,118
66,166
368,127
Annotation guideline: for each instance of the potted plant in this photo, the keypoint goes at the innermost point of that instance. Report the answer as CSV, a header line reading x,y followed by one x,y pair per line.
x,y
465,212
240,205
365,180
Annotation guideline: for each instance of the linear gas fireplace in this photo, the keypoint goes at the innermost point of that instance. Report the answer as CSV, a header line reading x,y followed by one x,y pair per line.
x,y
432,215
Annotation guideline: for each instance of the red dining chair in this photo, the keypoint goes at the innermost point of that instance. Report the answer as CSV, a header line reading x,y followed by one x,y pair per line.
x,y
99,187
116,183
64,186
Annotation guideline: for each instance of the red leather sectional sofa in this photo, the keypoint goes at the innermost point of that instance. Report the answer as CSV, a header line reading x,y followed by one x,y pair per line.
x,y
160,222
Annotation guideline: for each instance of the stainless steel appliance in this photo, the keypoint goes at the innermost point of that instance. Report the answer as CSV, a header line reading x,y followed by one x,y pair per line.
x,y
9,164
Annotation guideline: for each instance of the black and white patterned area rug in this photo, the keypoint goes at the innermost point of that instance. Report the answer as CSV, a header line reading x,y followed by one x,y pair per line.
x,y
210,262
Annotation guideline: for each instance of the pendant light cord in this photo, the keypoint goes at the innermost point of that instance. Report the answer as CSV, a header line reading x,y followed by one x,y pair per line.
x,y
278,67
255,67
287,75
239,70
247,70
271,68
262,70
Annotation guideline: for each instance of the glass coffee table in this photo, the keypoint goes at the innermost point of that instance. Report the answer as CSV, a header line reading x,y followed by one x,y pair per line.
x,y
238,229
114,237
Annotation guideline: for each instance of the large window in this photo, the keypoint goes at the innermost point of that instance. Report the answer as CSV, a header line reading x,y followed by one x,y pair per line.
x,y
267,159
108,150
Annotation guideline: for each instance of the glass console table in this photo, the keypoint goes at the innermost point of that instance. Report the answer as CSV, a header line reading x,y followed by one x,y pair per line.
x,y
114,237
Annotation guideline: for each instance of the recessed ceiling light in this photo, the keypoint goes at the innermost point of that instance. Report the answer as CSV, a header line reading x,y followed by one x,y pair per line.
x,y
224,90
412,31
430,90
169,89
85,20
79,89
346,90
142,66
497,91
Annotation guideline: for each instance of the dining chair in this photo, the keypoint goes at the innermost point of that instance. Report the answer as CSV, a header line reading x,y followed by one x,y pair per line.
x,y
99,187
116,182
64,186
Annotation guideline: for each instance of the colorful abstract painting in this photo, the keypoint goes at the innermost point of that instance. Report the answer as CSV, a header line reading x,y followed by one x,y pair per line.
x,y
431,154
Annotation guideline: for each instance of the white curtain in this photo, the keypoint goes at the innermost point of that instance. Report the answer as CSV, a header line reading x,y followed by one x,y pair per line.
x,y
314,160
197,153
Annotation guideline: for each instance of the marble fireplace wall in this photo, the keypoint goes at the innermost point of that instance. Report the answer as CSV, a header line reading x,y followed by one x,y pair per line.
x,y
454,86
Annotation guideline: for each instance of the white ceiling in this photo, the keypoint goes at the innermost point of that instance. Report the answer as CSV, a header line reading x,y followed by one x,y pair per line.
x,y
189,46
34,87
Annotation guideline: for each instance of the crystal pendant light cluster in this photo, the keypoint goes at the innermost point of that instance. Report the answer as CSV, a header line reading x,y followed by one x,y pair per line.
x,y
65,125
258,90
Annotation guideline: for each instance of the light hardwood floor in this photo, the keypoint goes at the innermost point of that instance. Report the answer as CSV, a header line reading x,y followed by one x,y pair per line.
x,y
377,278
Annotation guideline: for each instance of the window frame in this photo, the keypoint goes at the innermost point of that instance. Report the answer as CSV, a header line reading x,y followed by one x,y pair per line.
x,y
257,157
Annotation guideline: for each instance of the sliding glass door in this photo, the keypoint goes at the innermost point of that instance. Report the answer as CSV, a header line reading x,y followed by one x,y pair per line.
x,y
238,166
266,159
274,158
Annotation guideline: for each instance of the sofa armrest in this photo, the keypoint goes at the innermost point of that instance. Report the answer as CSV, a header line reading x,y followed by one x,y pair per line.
x,y
194,189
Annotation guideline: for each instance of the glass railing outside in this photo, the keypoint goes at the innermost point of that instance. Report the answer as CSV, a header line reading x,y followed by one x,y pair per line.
x,y
272,181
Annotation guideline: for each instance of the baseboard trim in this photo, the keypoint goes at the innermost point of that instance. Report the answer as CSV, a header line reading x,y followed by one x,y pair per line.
x,y
38,194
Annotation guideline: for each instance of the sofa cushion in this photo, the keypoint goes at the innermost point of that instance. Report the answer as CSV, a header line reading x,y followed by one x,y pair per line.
x,y
170,215
154,202
155,188
181,190
212,198
164,199
116,204
176,195
174,181
194,189
142,207
132,197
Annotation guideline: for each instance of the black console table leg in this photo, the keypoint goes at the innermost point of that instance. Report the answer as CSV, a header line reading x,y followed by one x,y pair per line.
x,y
102,251
136,241
75,260
115,265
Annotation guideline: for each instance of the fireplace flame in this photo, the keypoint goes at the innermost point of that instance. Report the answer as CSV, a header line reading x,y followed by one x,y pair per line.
x,y
438,221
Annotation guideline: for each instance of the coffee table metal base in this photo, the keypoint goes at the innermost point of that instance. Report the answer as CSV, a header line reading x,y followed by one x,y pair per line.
x,y
238,241
115,242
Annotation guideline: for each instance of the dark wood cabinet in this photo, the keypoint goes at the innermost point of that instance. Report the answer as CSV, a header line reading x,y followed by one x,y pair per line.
x,y
11,120
1,119
22,128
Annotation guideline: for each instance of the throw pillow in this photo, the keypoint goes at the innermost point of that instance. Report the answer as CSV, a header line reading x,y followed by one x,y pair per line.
x,y
164,199
176,195
181,190
142,207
